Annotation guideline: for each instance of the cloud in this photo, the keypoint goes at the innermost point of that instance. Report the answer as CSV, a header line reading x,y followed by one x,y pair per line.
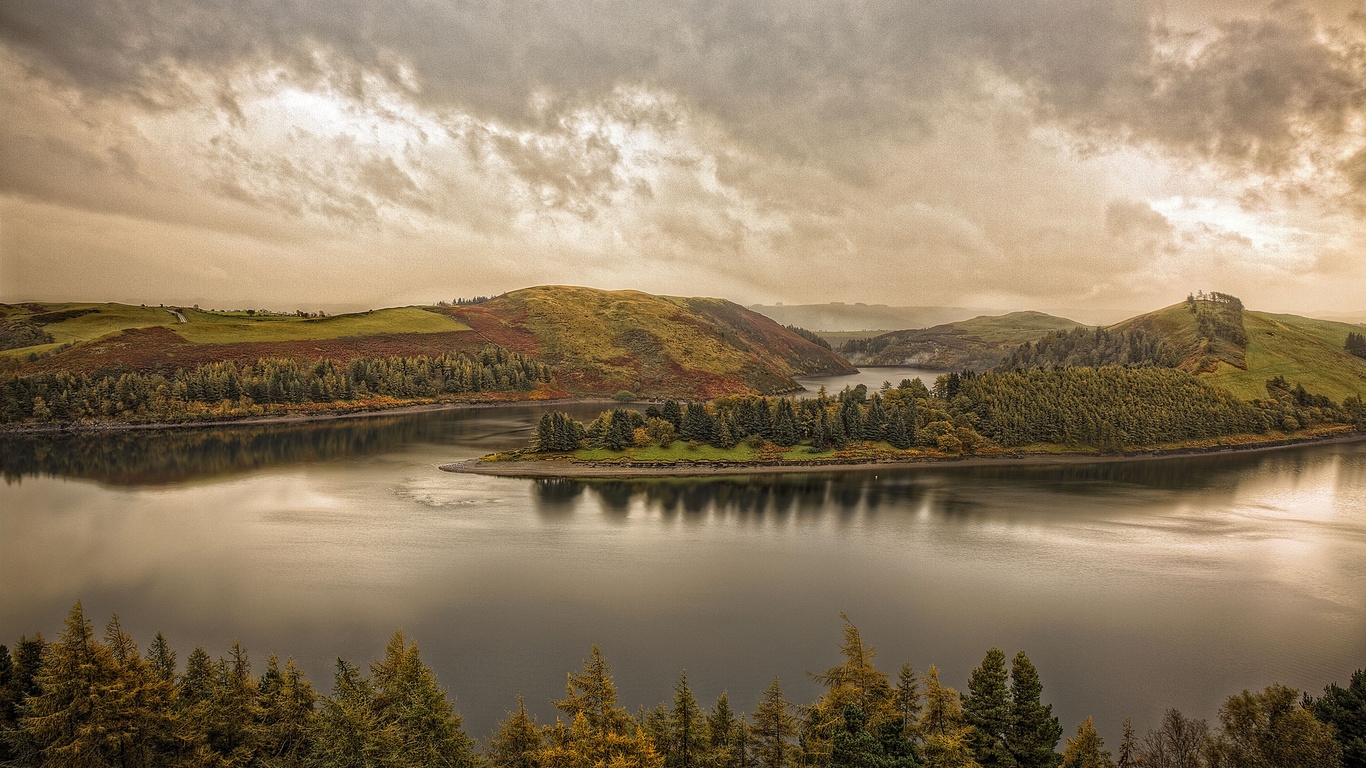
x,y
1005,147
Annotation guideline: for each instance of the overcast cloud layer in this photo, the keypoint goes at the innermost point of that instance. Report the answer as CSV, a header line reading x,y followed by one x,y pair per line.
x,y
1006,153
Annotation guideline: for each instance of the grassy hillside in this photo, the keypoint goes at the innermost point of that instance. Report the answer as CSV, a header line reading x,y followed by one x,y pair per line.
x,y
601,342
975,344
1301,349
607,341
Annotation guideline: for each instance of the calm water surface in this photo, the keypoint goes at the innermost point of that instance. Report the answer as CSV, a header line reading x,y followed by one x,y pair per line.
x,y
1132,586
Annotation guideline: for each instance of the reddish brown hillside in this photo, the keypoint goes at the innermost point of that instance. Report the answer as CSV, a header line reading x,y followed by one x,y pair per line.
x,y
602,342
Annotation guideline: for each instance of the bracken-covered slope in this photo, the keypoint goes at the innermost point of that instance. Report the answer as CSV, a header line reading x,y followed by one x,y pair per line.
x,y
977,344
1301,349
602,342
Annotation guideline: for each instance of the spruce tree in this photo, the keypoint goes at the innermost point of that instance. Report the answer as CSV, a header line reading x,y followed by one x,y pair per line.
x,y
673,414
987,709
1034,731
785,424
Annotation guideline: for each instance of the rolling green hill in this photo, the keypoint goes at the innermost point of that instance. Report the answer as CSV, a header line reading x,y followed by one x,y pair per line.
x,y
1301,349
600,342
976,344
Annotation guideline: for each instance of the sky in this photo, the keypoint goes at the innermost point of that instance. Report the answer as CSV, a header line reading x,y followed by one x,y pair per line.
x,y
292,154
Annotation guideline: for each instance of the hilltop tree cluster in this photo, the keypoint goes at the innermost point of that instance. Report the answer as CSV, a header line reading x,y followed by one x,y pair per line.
x,y
809,336
232,389
1093,348
1218,316
1109,408
1356,344
90,701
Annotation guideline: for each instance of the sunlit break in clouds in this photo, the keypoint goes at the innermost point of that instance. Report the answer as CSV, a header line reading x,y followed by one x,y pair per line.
x,y
1007,153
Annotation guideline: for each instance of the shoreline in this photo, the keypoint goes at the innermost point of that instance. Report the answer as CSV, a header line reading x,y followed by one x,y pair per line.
x,y
81,428
558,469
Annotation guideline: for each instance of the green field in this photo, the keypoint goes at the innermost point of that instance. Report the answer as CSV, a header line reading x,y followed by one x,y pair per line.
x,y
1302,350
203,327
230,330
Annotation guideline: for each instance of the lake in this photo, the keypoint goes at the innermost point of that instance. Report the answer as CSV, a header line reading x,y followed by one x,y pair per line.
x,y
1132,586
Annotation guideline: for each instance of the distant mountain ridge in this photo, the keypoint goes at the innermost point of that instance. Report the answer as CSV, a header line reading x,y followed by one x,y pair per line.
x,y
976,344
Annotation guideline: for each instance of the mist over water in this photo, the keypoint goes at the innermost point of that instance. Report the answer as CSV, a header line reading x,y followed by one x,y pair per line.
x,y
1132,586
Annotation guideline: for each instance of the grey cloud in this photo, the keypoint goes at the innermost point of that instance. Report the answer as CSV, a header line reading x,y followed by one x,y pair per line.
x,y
1127,218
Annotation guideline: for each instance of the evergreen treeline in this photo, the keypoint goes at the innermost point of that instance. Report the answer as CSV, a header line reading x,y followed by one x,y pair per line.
x,y
1093,348
1356,344
808,335
870,346
232,389
1108,408
90,701
1218,316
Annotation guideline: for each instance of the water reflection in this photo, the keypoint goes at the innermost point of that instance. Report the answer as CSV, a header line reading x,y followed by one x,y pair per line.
x,y
166,457
942,489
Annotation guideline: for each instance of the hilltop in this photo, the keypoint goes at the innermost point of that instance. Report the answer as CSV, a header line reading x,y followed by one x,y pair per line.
x,y
607,341
975,344
1303,350
598,342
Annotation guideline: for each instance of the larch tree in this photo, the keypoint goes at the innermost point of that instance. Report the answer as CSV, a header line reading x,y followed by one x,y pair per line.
x,y
517,741
418,723
1087,750
947,737
773,730
688,730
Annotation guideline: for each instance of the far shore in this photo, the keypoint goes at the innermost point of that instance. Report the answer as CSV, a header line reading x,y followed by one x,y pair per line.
x,y
298,418
561,468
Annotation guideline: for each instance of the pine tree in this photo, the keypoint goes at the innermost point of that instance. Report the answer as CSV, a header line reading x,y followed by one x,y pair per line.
x,y
987,709
1034,731
852,746
1087,749
517,742
773,729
